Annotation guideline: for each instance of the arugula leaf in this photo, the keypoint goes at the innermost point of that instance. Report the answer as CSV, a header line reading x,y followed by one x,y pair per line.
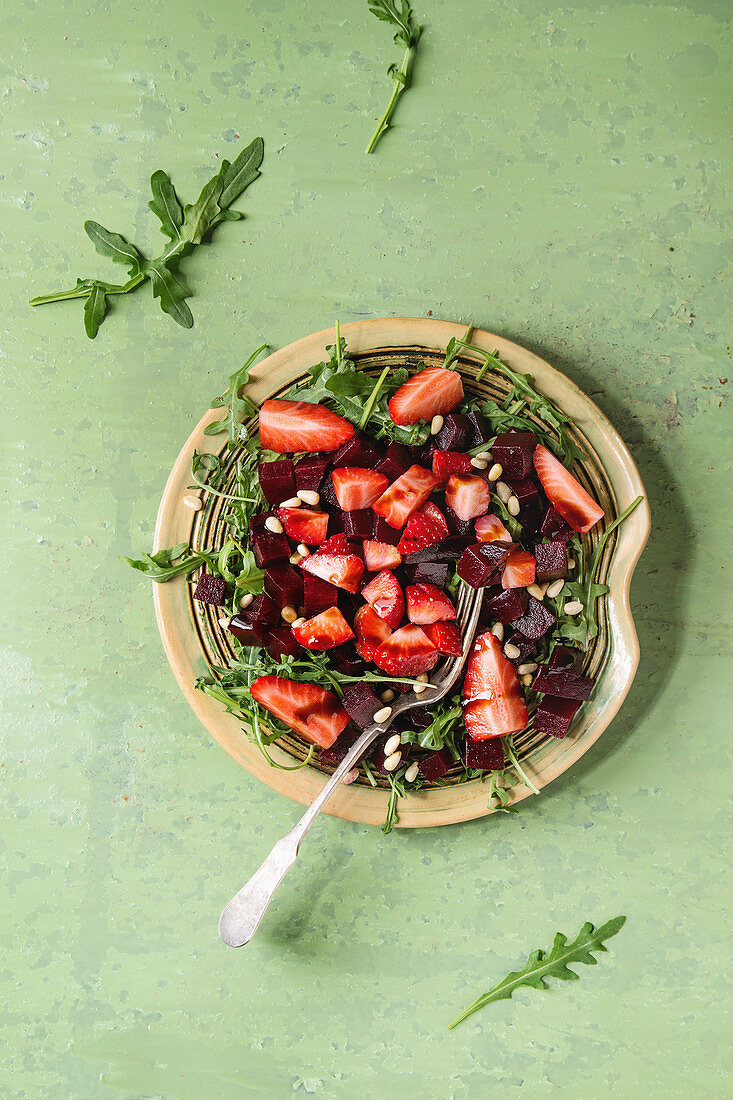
x,y
237,176
95,308
166,205
236,404
408,34
250,577
397,790
554,964
171,293
198,216
176,561
499,796
114,246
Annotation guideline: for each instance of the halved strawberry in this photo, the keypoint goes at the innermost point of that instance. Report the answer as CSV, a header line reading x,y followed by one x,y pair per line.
x,y
519,570
430,391
357,488
491,529
311,711
370,630
422,530
428,604
493,703
468,495
336,563
287,426
407,652
385,596
405,496
432,511
446,637
565,493
323,631
446,463
380,555
303,525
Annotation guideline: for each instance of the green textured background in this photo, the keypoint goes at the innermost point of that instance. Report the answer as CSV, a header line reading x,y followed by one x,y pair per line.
x,y
559,175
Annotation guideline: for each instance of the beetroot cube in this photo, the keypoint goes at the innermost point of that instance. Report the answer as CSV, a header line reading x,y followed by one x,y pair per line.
x,y
336,523
525,647
310,472
428,572
357,451
554,716
285,585
449,549
562,683
552,561
423,456
457,526
358,524
328,493
456,433
361,704
261,610
487,755
335,754
277,480
479,563
246,633
554,527
526,492
481,433
436,764
536,620
514,450
318,595
383,531
279,642
210,589
269,548
506,605
397,459
419,718
257,522
562,657
347,660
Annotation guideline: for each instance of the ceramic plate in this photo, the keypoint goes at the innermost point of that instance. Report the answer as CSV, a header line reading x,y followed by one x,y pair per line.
x,y
193,638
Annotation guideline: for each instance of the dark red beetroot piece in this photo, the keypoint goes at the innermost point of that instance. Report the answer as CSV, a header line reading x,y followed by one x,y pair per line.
x,y
285,585
335,754
269,548
479,564
210,590
358,524
456,433
487,755
428,572
361,704
524,645
514,451
478,427
310,472
456,526
383,531
436,765
251,625
530,507
562,657
536,620
318,595
449,549
327,494
277,480
397,459
505,605
562,683
280,642
554,716
336,523
357,451
554,527
347,660
552,561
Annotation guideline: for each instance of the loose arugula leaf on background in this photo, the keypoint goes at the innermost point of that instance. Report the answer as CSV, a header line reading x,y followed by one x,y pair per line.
x,y
553,964
166,205
171,293
176,561
114,246
237,405
398,14
236,178
95,308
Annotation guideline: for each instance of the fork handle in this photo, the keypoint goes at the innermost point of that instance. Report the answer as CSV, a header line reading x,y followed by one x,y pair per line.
x,y
241,917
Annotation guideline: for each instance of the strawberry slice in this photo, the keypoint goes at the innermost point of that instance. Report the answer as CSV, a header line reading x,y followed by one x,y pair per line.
x,y
303,525
385,597
565,493
357,488
287,426
491,529
380,555
422,530
336,563
407,652
446,463
323,631
430,391
428,604
371,631
519,570
468,495
311,711
404,496
493,703
446,637
432,511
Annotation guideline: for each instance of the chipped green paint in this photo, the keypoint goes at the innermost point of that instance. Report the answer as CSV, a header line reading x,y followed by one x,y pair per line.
x,y
558,175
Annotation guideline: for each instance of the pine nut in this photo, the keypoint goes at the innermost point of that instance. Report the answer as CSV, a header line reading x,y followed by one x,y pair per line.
x,y
498,631
303,550
392,762
382,715
272,523
512,506
479,463
387,695
295,559
392,744
423,685
536,591
573,607
193,502
292,502
436,424
300,621
555,588
224,622
246,600
571,563
503,491
289,614
308,496
411,773
496,471
525,670
526,680
350,777
512,651
485,455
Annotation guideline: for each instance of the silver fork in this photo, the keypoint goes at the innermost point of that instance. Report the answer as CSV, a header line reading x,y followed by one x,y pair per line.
x,y
241,917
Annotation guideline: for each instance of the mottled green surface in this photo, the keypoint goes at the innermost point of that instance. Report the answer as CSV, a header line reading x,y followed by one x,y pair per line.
x,y
558,175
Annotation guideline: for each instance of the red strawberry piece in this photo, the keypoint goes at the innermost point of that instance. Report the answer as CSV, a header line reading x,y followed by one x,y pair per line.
x,y
404,496
371,631
380,555
446,463
428,604
303,525
309,710
446,637
429,392
385,596
289,426
519,570
493,703
422,530
337,544
432,511
407,652
324,631
491,529
336,563
356,487
565,493
468,495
